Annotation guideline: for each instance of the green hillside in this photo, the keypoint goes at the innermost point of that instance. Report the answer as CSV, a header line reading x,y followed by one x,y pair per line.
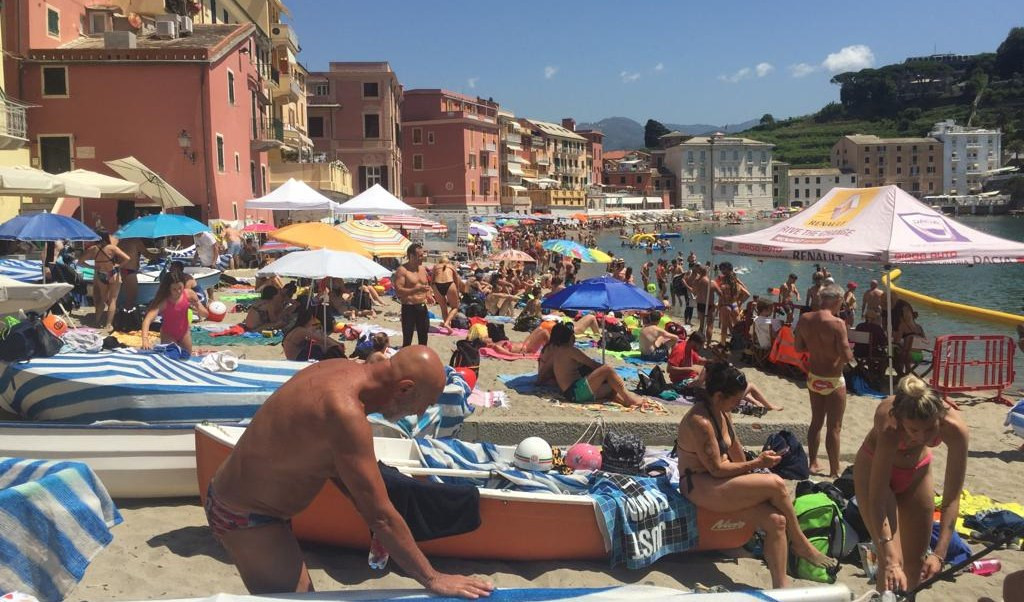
x,y
907,99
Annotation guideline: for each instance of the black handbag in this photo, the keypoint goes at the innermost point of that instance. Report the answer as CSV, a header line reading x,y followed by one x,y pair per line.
x,y
622,453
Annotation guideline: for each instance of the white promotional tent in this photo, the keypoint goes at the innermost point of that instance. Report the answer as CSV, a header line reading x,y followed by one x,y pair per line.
x,y
376,200
878,226
294,195
882,226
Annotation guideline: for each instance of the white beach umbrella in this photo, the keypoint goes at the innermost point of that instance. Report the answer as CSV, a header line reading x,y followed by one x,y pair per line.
x,y
324,263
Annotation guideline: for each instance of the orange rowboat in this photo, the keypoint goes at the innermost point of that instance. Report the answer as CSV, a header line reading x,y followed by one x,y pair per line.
x,y
514,525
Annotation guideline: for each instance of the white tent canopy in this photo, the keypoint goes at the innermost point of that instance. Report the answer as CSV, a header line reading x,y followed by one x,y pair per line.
x,y
324,263
376,200
883,225
293,195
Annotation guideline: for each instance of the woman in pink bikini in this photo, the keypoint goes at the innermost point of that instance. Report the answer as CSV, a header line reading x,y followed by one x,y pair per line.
x,y
894,484
172,301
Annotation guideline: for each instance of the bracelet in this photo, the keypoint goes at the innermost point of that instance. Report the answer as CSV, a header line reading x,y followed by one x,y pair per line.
x,y
885,540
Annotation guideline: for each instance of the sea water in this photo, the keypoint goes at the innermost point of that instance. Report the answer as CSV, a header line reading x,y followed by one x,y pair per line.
x,y
999,287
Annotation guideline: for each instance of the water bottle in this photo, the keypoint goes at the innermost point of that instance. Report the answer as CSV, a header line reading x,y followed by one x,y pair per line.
x,y
378,558
985,567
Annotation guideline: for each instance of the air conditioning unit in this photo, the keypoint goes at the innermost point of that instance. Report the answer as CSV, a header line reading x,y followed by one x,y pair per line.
x,y
119,39
166,30
185,26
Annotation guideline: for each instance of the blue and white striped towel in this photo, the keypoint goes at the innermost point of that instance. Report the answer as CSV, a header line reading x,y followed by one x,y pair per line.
x,y
443,419
87,387
453,453
54,518
22,270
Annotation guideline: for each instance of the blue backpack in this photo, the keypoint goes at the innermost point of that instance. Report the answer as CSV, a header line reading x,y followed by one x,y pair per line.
x,y
793,465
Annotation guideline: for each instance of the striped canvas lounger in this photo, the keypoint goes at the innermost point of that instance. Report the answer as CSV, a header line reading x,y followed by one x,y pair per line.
x,y
83,388
23,270
54,518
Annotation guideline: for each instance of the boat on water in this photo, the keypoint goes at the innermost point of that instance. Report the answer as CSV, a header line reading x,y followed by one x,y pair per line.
x,y
734,222
670,235
515,525
132,459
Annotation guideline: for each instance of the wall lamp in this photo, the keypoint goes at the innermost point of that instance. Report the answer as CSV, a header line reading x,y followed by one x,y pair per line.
x,y
185,142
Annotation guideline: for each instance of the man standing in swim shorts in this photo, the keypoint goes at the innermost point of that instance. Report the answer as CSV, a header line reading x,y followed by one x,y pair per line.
x,y
314,429
412,286
822,334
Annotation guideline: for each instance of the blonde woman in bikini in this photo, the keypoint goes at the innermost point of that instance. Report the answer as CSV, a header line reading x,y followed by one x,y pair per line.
x,y
106,281
447,285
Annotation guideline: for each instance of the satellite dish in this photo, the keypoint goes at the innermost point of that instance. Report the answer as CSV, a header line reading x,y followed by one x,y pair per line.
x,y
134,20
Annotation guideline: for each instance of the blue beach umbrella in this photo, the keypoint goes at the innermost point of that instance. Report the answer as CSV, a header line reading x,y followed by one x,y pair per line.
x,y
160,225
602,294
45,227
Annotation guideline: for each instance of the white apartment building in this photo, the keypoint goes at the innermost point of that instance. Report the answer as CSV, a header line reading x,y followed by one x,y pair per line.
x,y
722,173
806,186
968,155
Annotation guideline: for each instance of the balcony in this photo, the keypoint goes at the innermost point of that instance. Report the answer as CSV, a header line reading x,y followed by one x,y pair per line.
x,y
12,126
267,134
326,177
542,161
513,138
489,147
295,139
489,172
289,90
283,35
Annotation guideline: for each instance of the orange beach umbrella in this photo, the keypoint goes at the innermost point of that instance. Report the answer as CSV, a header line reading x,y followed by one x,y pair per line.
x,y
318,235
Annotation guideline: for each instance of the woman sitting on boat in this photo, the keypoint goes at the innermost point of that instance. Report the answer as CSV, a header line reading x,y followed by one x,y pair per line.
x,y
897,482
308,340
715,474
173,302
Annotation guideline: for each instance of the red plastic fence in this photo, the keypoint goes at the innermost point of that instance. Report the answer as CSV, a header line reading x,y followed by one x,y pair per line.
x,y
973,363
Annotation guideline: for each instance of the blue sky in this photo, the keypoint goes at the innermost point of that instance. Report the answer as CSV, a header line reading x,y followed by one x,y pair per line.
x,y
677,61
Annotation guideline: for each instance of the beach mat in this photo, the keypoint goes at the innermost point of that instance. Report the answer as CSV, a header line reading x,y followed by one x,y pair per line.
x,y
499,354
201,338
526,383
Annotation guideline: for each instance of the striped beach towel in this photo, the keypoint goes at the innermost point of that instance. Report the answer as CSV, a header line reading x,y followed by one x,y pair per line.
x,y
54,518
453,453
22,270
83,388
443,419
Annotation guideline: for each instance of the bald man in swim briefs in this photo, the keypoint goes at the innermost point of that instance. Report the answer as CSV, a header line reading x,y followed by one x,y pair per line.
x,y
822,334
314,429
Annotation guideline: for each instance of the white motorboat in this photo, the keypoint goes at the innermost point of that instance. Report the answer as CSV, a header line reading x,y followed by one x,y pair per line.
x,y
149,281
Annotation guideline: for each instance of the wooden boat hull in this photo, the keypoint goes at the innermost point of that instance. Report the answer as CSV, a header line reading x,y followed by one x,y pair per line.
x,y
514,525
132,460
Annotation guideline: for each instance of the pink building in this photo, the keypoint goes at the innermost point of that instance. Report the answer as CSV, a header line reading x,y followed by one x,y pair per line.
x,y
450,151
193,109
354,116
595,153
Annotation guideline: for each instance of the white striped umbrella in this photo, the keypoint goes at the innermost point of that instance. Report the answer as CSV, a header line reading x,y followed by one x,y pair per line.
x,y
379,239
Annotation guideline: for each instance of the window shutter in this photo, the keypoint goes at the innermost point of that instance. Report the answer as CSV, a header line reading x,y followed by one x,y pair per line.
x,y
362,179
384,177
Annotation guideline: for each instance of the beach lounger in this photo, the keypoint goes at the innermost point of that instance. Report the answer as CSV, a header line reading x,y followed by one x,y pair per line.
x,y
83,388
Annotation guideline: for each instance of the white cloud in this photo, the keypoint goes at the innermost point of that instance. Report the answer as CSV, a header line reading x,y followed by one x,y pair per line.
x,y
550,71
851,58
659,67
628,77
802,69
743,73
764,69
472,81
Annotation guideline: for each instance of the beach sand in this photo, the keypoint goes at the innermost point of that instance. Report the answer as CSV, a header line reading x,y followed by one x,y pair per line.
x,y
164,549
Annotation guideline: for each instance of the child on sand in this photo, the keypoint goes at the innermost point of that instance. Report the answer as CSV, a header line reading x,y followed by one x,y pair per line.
x,y
172,302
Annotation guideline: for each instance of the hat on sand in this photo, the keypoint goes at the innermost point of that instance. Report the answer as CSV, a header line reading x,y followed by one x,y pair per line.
x,y
851,284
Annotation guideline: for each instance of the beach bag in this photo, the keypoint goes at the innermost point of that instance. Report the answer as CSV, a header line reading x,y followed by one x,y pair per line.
x,y
793,464
617,341
496,332
526,323
466,355
653,383
128,320
622,453
616,327
821,520
19,343
677,329
460,322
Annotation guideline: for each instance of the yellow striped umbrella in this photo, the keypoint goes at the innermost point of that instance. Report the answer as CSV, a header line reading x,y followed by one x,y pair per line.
x,y
318,235
377,238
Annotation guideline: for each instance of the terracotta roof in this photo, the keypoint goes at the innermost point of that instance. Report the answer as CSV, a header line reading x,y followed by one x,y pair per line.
x,y
207,43
873,139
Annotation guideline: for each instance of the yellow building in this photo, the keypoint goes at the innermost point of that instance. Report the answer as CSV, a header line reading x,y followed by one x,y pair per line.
x,y
13,142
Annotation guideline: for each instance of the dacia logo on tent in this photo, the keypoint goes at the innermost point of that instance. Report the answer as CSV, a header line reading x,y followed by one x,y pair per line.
x,y
931,228
841,208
